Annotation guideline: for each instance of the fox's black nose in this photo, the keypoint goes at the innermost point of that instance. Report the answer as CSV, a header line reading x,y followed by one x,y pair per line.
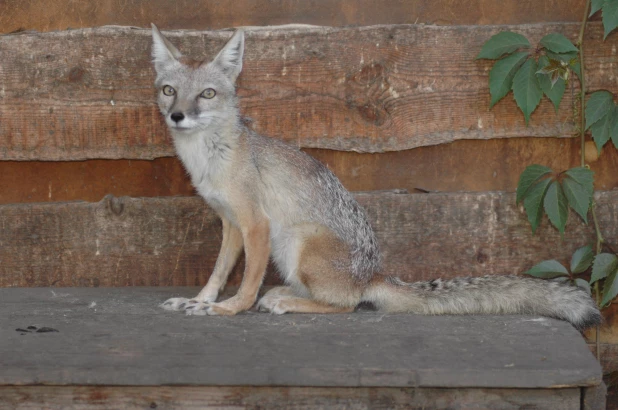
x,y
177,117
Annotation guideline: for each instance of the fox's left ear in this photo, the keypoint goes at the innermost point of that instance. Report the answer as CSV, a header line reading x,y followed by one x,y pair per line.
x,y
229,58
163,51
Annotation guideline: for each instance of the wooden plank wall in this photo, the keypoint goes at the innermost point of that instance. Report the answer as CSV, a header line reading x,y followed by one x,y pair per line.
x,y
462,165
85,94
402,105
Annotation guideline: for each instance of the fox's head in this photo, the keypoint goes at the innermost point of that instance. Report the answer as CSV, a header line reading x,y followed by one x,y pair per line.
x,y
196,95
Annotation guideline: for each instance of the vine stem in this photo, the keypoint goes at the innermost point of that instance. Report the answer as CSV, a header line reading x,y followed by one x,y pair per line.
x,y
582,80
582,128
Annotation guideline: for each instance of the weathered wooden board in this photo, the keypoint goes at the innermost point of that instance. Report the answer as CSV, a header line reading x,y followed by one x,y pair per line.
x,y
307,398
465,165
47,15
88,93
120,337
175,241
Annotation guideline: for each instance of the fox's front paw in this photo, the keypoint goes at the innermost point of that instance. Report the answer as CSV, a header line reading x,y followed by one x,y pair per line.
x,y
219,310
194,307
190,306
174,304
229,307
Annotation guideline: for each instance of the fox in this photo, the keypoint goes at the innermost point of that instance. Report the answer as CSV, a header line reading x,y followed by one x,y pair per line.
x,y
276,201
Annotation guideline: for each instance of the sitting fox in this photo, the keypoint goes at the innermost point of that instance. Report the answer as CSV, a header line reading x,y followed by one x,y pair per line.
x,y
275,200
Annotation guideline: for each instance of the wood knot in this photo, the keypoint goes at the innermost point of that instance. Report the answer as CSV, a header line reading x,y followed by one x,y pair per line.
x,y
481,257
115,205
369,74
76,74
365,93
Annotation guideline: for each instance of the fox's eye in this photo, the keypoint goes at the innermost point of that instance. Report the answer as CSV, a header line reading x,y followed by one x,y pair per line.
x,y
169,90
208,93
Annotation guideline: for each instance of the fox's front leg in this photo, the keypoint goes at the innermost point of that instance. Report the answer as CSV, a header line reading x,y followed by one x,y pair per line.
x,y
231,246
256,238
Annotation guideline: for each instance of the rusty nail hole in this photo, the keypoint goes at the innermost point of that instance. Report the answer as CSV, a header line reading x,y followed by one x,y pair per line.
x,y
153,405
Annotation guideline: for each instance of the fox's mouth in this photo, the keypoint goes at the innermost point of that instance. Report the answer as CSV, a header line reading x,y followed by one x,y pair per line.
x,y
179,128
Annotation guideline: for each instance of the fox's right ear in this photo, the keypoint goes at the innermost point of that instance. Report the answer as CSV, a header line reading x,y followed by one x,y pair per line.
x,y
163,51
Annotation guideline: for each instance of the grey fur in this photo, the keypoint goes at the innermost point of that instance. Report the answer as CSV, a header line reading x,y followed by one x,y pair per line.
x,y
293,190
323,200
491,295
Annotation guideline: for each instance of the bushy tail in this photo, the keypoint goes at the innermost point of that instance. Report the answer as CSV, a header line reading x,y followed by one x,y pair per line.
x,y
493,295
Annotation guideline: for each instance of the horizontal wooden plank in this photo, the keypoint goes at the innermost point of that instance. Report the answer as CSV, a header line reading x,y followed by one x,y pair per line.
x,y
465,165
306,398
125,339
175,241
88,93
48,15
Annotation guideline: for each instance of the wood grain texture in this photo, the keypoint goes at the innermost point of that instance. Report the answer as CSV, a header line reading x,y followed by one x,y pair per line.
x,y
305,398
48,15
175,241
466,165
88,93
126,339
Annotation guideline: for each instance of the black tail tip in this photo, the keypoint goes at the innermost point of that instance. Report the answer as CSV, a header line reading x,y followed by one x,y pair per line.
x,y
593,319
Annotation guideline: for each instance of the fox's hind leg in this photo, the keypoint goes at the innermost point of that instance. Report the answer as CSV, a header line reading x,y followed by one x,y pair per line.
x,y
324,270
282,303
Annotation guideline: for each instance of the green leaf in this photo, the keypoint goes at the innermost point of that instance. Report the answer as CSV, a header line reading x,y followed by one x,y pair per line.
x,y
531,175
603,265
533,203
502,43
526,88
596,6
558,43
600,130
610,288
582,259
556,206
578,197
598,105
582,176
610,16
501,76
548,269
553,91
583,283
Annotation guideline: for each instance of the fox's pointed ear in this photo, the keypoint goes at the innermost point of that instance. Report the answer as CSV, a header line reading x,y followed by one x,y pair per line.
x,y
229,58
163,52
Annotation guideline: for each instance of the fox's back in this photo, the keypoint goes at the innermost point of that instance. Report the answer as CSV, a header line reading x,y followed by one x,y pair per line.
x,y
296,189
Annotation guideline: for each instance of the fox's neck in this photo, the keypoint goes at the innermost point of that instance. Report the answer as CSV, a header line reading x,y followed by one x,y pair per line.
x,y
206,153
